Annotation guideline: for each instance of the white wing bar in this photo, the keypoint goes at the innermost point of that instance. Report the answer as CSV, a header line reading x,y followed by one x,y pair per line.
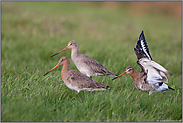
x,y
154,71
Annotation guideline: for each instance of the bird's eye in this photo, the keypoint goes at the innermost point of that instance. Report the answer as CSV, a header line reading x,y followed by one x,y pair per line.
x,y
70,43
62,60
129,69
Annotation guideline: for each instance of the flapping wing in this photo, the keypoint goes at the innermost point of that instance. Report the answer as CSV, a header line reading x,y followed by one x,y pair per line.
x,y
142,50
154,71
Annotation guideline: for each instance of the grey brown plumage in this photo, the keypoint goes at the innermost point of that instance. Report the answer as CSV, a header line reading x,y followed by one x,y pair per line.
x,y
85,64
76,80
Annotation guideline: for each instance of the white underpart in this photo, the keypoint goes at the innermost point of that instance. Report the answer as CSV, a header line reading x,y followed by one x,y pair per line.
x,y
94,89
86,71
81,89
71,87
90,89
163,87
152,74
144,48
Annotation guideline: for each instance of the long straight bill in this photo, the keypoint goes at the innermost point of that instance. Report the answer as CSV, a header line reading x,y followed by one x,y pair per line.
x,y
52,69
60,51
120,75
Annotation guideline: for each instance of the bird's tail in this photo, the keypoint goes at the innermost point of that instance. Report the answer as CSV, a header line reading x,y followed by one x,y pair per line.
x,y
163,87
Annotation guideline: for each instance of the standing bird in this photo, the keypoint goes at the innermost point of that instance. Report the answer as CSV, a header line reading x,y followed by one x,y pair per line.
x,y
151,78
76,80
85,64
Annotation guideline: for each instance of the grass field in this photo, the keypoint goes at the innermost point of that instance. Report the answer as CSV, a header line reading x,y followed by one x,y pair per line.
x,y
33,31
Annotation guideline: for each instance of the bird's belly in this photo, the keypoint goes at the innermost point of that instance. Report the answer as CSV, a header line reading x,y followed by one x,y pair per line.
x,y
70,86
143,87
69,83
85,70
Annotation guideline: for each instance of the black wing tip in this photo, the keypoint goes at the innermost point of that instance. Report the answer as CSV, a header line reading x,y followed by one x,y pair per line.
x,y
171,88
142,50
142,32
142,37
170,74
107,87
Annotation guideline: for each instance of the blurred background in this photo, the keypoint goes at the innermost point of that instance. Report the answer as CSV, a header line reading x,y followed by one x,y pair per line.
x,y
40,23
168,8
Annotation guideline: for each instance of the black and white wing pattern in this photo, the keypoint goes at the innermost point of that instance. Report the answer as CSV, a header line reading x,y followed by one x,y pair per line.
x,y
142,50
154,71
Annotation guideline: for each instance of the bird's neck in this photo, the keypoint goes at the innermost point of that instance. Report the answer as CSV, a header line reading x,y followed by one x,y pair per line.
x,y
134,75
75,52
65,68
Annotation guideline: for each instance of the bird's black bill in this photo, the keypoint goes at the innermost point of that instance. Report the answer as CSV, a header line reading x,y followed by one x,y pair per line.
x,y
120,75
52,69
114,78
60,51
46,73
54,54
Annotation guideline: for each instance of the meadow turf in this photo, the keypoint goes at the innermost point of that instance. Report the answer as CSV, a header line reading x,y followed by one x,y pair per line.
x,y
33,31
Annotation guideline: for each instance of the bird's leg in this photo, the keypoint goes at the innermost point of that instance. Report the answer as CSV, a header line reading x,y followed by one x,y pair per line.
x,y
133,89
150,92
164,93
79,95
